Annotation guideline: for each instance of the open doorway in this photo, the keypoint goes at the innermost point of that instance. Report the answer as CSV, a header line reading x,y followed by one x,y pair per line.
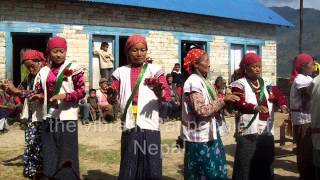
x,y
22,42
186,46
122,54
95,75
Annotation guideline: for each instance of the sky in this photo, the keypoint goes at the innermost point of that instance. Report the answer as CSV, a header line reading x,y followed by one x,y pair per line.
x,y
292,3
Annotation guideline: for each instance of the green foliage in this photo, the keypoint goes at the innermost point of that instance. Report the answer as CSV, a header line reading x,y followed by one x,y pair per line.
x,y
99,155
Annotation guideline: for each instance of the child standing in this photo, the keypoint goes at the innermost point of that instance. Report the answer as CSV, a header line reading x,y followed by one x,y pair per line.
x,y
92,100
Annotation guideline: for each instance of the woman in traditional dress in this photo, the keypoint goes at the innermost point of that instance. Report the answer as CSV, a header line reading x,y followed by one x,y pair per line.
x,y
254,126
140,89
204,153
32,111
63,86
300,102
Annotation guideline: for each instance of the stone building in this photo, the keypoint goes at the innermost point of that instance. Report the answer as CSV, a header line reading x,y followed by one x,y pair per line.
x,y
226,29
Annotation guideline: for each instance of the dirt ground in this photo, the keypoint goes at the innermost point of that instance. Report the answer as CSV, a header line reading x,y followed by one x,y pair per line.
x,y
100,156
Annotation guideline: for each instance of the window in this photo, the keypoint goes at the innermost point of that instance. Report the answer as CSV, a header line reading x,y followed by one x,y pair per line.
x,y
252,49
236,54
95,61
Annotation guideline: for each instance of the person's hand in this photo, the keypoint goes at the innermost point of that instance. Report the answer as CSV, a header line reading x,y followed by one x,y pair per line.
x,y
263,109
178,103
10,108
58,97
157,89
284,109
9,84
37,97
111,95
231,98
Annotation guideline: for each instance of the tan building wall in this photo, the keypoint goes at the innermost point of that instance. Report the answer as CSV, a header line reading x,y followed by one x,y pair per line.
x,y
162,27
62,12
2,55
78,47
269,60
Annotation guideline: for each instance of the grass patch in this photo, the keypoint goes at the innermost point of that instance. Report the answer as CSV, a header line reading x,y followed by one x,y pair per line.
x,y
106,157
168,142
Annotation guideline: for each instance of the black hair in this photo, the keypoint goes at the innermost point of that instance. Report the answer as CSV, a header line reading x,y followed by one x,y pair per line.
x,y
168,75
219,79
104,44
92,90
177,64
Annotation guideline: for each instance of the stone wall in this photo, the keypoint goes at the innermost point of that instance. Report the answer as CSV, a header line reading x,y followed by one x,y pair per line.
x,y
2,55
67,12
162,27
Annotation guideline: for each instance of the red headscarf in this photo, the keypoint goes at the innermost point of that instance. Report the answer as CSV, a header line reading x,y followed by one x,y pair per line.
x,y
56,42
133,40
192,56
33,55
248,59
298,62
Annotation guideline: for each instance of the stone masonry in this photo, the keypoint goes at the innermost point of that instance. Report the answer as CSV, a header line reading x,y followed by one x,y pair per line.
x,y
161,25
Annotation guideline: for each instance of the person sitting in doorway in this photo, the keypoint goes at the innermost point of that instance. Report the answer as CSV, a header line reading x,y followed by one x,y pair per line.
x,y
105,107
106,60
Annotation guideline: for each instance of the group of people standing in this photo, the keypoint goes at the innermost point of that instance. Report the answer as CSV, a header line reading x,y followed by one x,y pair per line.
x,y
141,90
51,93
55,86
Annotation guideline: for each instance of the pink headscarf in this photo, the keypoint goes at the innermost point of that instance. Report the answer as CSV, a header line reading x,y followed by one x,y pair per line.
x,y
192,56
133,40
33,55
248,59
298,62
56,42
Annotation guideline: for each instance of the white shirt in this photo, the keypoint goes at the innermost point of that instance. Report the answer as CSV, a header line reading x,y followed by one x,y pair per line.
x,y
301,81
206,130
148,104
258,126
